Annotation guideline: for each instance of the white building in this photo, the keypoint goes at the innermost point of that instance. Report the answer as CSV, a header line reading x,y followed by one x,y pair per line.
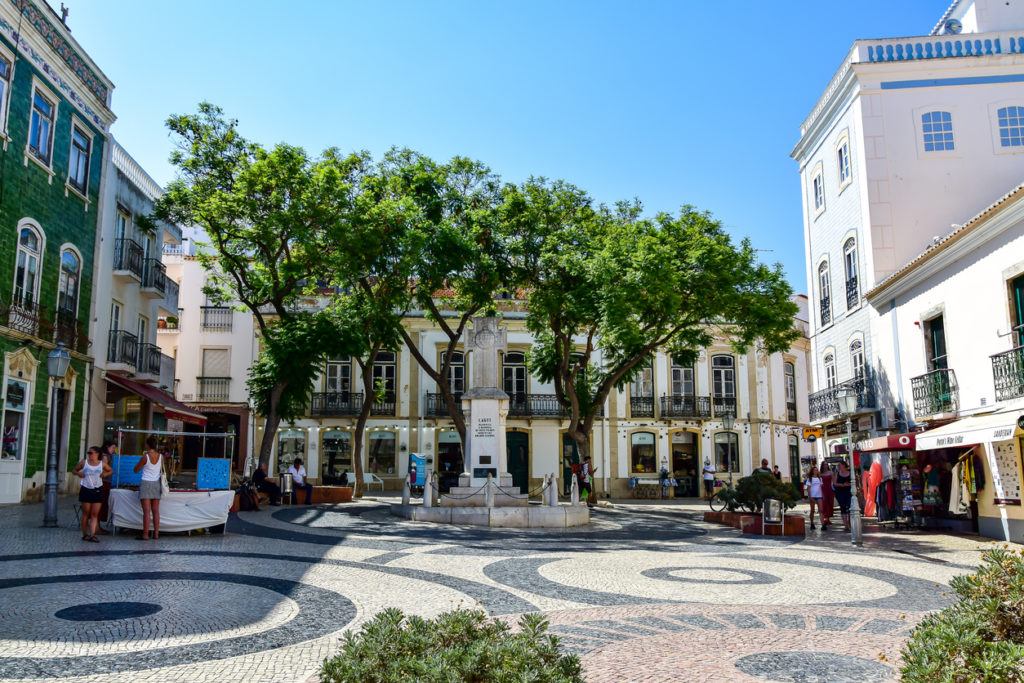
x,y
911,136
132,384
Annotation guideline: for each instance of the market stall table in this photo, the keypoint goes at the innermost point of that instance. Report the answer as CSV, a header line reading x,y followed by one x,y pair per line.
x,y
179,510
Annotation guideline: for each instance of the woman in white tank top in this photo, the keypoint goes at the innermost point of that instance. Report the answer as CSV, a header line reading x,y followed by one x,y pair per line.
x,y
90,495
150,489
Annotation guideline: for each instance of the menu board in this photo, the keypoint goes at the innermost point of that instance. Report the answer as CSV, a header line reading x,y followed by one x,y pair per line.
x,y
1005,475
124,470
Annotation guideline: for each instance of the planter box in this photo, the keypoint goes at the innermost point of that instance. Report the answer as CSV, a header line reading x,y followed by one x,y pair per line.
x,y
751,523
332,494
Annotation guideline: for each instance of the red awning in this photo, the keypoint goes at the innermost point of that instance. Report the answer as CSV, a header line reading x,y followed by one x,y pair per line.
x,y
173,409
892,442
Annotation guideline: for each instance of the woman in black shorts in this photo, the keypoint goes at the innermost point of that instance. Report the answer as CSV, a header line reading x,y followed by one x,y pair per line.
x,y
91,470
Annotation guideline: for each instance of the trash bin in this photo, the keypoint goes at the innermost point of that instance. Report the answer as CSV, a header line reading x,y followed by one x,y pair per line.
x,y
287,488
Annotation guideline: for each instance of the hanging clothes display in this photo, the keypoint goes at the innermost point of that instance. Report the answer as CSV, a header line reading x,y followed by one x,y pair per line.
x,y
959,495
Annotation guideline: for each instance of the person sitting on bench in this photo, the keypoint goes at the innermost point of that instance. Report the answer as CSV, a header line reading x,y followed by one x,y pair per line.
x,y
298,475
259,477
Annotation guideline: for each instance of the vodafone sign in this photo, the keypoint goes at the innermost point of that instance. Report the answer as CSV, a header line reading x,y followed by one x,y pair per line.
x,y
893,442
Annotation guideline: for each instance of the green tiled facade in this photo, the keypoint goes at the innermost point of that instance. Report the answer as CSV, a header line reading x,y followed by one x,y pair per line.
x,y
64,216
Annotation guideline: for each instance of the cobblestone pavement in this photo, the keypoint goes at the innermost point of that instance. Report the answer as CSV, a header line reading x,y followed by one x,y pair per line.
x,y
646,592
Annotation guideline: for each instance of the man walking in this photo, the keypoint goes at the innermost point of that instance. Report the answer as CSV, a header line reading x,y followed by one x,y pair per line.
x,y
587,477
709,478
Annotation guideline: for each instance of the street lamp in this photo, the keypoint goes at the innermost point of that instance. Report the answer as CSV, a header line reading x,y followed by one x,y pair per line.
x,y
728,420
847,399
57,367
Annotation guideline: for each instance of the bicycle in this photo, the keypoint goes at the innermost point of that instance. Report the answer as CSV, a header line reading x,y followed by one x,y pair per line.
x,y
719,500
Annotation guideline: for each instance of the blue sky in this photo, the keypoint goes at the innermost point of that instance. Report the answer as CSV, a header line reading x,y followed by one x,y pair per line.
x,y
671,102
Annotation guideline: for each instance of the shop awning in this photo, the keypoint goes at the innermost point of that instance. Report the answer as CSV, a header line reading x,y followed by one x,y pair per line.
x,y
892,442
173,409
970,431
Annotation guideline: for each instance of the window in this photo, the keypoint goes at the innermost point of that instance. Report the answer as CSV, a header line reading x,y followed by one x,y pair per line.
x,y
382,453
642,457
513,378
1017,306
26,275
818,185
794,458
291,444
338,376
67,289
15,408
5,86
830,370
40,132
1011,126
456,372
850,263
727,452
825,293
115,316
383,374
843,162
78,164
335,456
935,342
857,359
789,370
682,379
643,383
937,127
723,384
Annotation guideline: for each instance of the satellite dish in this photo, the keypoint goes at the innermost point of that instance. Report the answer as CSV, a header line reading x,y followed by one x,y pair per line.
x,y
953,26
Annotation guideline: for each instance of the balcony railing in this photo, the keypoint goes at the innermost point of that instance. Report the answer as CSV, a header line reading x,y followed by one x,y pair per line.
x,y
935,392
1008,373
538,405
641,406
385,406
723,405
122,347
336,404
434,405
212,389
824,404
128,256
148,360
852,293
216,317
685,406
69,331
23,314
155,277
826,310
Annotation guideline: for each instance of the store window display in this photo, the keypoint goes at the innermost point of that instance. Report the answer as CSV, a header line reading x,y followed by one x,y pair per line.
x,y
14,419
642,456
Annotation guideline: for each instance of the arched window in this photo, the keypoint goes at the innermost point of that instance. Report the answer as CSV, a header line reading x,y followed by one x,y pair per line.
x,y
27,271
727,452
857,358
850,263
67,289
937,127
642,456
843,162
830,370
825,293
1011,126
789,370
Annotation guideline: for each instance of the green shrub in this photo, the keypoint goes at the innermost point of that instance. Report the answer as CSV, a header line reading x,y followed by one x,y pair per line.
x,y
981,637
750,491
462,645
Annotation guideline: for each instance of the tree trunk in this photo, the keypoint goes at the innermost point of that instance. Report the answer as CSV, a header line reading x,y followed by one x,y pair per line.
x,y
357,438
270,428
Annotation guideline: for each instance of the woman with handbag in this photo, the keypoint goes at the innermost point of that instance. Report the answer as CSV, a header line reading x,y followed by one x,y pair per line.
x,y
151,488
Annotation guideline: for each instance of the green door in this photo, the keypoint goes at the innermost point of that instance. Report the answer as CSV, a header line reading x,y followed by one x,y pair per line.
x,y
570,463
517,445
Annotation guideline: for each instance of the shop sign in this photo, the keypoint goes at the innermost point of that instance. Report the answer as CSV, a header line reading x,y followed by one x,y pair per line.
x,y
15,395
835,429
812,433
865,424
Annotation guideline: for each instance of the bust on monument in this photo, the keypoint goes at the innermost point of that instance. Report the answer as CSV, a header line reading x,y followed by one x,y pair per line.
x,y
485,406
485,340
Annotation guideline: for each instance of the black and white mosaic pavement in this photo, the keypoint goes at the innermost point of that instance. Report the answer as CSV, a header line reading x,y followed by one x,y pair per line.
x,y
269,600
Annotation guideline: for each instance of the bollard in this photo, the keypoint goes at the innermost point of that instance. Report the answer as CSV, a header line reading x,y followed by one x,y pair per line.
x,y
428,491
553,492
489,492
406,491
574,491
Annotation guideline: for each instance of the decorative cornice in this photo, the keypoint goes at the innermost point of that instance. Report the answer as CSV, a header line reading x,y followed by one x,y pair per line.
x,y
56,41
102,122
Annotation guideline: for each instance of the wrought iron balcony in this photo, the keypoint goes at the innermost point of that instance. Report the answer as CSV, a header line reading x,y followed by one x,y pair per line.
x,y
69,331
826,310
434,405
336,404
23,314
641,406
122,347
824,405
685,406
538,405
385,406
216,317
852,293
148,360
1008,373
724,405
212,389
935,392
154,278
128,257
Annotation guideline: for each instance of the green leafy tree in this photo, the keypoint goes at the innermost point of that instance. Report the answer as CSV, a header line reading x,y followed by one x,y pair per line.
x,y
269,215
607,288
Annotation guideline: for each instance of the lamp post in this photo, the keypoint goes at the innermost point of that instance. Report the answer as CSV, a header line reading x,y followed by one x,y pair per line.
x,y
56,366
847,399
728,421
